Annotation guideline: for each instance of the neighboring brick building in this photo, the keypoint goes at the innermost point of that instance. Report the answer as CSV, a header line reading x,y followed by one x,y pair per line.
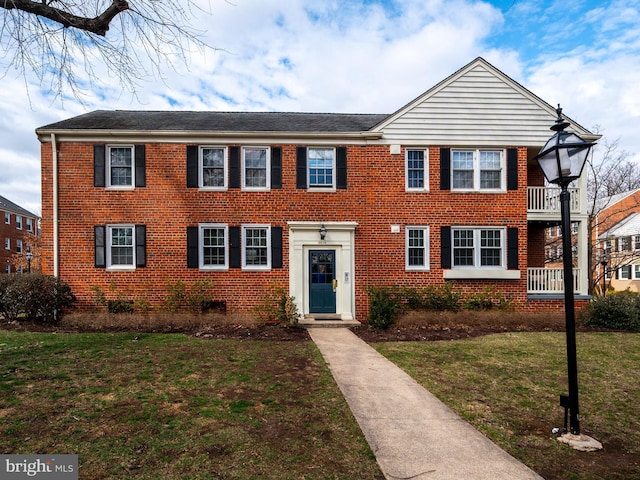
x,y
618,241
17,227
322,205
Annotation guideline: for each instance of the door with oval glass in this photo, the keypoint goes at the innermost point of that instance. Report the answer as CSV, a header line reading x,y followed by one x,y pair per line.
x,y
322,281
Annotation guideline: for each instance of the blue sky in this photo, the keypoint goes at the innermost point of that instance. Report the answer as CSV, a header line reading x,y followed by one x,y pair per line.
x,y
363,56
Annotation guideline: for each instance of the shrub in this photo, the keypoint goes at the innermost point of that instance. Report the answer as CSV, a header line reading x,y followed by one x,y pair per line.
x,y
441,298
618,311
488,299
384,305
277,306
120,306
35,297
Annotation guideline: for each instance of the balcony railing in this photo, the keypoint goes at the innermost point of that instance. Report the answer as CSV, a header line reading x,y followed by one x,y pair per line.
x,y
547,200
550,280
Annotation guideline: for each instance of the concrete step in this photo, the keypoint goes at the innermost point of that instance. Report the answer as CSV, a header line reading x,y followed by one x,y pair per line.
x,y
326,321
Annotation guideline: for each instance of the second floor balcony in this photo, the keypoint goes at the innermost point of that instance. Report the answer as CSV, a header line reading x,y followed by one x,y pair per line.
x,y
546,201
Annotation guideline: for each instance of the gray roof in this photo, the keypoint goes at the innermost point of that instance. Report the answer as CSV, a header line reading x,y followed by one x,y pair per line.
x,y
9,206
218,121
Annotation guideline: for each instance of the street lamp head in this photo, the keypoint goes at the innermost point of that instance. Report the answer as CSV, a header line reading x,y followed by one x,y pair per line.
x,y
564,155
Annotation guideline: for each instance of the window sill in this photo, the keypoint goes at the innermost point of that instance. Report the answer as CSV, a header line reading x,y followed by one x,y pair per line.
x,y
481,274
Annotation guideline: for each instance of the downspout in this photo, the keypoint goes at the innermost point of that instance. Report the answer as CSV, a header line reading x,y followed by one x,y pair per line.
x,y
54,156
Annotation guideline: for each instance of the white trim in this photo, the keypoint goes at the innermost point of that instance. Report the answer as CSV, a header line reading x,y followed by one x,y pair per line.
x,y
481,274
128,267
477,170
267,185
334,171
259,268
477,248
201,264
426,249
225,167
425,169
107,162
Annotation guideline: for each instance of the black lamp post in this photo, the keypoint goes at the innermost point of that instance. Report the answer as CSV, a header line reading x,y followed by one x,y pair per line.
x,y
604,261
29,256
562,160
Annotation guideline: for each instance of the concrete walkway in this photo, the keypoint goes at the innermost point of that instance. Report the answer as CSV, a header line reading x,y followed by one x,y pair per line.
x,y
412,434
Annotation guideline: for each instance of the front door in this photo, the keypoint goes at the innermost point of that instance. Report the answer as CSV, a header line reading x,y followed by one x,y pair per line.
x,y
322,267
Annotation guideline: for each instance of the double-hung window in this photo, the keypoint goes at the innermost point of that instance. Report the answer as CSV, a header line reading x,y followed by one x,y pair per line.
x,y
417,173
213,167
29,225
120,166
417,248
19,222
18,246
321,167
479,248
7,244
256,168
256,247
7,218
478,170
625,272
121,247
213,243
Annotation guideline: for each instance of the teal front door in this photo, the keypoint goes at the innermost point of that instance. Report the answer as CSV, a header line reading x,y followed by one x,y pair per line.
x,y
322,267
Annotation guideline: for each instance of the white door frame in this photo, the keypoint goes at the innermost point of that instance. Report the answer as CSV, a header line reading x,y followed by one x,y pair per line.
x,y
305,236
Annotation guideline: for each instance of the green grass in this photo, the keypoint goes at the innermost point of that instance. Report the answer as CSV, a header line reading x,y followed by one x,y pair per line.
x,y
508,386
176,407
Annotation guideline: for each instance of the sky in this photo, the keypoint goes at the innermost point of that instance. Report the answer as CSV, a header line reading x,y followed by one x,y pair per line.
x,y
358,56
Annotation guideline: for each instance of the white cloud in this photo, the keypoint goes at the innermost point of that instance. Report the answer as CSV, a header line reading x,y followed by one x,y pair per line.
x,y
356,56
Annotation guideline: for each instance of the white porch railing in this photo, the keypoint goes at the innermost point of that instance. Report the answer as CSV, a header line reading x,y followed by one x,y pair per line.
x,y
550,280
547,200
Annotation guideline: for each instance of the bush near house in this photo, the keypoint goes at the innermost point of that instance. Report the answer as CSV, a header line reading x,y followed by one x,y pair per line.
x,y
35,297
618,311
386,303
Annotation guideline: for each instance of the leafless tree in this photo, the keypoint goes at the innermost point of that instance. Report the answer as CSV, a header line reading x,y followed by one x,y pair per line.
x,y
611,172
69,45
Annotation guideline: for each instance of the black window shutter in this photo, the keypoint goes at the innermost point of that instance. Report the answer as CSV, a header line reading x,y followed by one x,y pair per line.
x,y
192,166
512,248
276,247
98,165
141,245
192,248
341,167
234,247
301,167
99,240
445,247
234,167
141,165
512,169
445,169
276,167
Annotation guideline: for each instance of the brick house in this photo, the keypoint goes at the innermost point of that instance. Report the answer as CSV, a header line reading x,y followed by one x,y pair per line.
x,y
17,227
617,229
323,205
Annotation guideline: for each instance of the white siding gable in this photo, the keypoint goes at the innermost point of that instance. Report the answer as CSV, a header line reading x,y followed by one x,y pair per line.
x,y
476,106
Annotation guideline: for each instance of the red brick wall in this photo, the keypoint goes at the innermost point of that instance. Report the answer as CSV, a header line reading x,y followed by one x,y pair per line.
x,y
375,198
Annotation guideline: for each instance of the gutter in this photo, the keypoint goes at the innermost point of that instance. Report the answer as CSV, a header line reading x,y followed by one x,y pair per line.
x,y
54,156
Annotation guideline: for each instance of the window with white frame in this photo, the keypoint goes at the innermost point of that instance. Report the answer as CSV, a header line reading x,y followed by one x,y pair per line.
x,y
213,167
19,246
121,247
636,272
19,222
256,247
120,166
7,244
7,218
478,170
8,268
479,248
256,168
636,242
213,247
417,169
624,273
29,222
321,167
417,248
606,247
